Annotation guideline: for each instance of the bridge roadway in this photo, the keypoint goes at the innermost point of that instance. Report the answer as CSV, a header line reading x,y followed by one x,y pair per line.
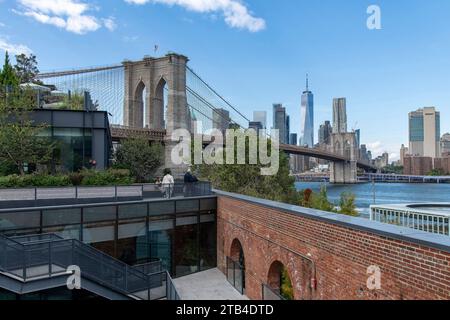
x,y
122,132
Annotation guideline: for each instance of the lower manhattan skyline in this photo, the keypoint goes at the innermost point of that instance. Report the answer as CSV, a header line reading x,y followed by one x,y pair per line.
x,y
384,74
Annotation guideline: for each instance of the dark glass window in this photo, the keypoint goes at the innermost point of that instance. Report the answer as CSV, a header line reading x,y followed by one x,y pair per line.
x,y
186,245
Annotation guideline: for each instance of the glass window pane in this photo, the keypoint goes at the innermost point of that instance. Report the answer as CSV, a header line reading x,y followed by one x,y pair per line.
x,y
186,250
19,220
132,211
208,204
61,217
162,208
188,206
105,213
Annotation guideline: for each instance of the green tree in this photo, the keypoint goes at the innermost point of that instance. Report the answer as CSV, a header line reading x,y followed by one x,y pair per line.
x,y
26,68
247,179
21,141
320,201
141,158
347,205
8,77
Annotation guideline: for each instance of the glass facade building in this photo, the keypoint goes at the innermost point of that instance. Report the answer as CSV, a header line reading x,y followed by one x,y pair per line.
x,y
80,137
181,233
307,119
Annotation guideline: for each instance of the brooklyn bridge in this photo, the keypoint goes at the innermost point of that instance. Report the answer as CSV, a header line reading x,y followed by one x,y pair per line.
x,y
154,97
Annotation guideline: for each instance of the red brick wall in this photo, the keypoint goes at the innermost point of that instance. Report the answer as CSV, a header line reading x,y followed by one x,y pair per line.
x,y
336,256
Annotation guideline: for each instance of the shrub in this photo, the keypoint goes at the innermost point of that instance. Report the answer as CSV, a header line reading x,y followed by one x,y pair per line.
x,y
85,177
108,177
76,178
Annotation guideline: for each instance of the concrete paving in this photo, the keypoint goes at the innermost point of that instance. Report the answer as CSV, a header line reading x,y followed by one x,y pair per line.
x,y
207,285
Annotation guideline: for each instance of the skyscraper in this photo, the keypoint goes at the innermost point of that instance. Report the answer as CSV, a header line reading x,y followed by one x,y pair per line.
x,y
260,116
288,128
339,115
279,121
325,132
221,119
425,133
358,137
293,140
307,117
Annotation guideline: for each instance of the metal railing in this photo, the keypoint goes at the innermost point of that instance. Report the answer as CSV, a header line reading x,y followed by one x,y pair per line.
x,y
34,196
270,294
44,256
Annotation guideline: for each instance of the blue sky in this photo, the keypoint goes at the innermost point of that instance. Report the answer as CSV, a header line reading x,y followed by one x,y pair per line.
x,y
257,52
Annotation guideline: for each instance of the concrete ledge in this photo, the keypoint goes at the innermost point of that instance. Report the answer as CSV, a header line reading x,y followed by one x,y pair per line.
x,y
435,241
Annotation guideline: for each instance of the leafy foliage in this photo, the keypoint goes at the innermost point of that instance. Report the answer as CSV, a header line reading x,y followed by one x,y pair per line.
x,y
247,179
8,77
21,141
26,68
140,158
286,290
347,204
85,177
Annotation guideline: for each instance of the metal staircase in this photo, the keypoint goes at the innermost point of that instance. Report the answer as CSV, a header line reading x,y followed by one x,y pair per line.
x,y
39,262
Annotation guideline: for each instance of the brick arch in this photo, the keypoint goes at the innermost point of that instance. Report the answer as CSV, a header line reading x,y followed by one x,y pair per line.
x,y
297,268
274,275
235,249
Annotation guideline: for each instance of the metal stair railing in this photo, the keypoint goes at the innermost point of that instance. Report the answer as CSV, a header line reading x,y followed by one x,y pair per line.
x,y
39,256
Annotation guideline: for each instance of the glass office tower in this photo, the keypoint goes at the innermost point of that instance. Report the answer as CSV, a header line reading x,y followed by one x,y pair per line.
x,y
307,118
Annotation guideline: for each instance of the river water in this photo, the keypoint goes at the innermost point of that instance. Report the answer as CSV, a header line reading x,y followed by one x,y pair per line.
x,y
383,193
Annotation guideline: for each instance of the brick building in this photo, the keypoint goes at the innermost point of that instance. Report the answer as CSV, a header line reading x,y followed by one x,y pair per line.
x,y
417,166
442,164
328,256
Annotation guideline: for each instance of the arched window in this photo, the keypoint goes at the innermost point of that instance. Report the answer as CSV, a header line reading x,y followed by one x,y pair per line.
x,y
279,280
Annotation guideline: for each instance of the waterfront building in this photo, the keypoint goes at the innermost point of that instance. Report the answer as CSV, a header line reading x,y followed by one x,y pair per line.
x,y
279,121
424,132
363,153
260,116
417,166
442,164
404,151
339,115
325,131
307,117
445,144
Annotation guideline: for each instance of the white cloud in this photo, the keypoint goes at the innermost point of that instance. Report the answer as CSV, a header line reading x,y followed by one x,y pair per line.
x,y
376,148
110,23
235,13
14,48
71,15
2,25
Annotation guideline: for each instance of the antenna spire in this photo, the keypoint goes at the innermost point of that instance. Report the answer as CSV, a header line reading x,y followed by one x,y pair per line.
x,y
307,82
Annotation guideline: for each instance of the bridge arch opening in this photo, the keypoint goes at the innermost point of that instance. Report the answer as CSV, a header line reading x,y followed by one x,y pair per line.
x,y
279,280
140,95
160,107
347,149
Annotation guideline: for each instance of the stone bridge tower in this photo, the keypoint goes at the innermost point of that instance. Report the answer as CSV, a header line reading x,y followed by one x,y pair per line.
x,y
154,76
344,144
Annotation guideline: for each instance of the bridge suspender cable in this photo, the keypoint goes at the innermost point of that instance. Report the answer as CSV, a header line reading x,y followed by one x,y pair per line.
x,y
217,94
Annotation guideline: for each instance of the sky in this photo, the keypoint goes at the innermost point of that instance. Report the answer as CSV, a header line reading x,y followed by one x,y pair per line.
x,y
256,53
